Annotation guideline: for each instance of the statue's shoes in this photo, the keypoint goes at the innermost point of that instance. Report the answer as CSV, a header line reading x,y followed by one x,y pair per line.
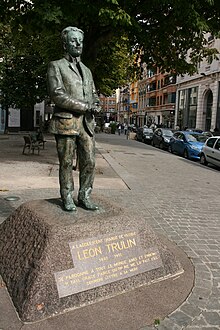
x,y
69,205
87,204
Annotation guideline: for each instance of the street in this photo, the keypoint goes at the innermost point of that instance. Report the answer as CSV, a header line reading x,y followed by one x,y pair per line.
x,y
179,198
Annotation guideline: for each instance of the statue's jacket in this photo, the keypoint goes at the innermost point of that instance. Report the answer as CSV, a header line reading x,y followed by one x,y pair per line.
x,y
73,93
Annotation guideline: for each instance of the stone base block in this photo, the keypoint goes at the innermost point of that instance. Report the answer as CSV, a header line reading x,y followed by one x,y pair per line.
x,y
41,247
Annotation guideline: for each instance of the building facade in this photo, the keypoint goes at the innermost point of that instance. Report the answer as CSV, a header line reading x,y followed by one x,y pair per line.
x,y
133,104
27,119
127,103
156,98
123,104
198,96
109,107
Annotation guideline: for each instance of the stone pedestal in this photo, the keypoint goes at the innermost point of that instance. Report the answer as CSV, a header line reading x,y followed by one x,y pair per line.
x,y
44,251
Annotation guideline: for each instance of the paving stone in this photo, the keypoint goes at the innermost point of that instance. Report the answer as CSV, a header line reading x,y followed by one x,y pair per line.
x,y
199,321
206,275
213,304
201,292
215,273
212,258
202,268
198,301
216,283
212,247
212,318
190,309
214,253
165,326
180,318
201,283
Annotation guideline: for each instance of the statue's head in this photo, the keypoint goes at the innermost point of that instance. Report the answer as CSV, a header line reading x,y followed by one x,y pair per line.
x,y
72,38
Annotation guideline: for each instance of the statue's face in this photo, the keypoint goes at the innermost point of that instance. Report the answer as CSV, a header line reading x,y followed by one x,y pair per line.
x,y
74,43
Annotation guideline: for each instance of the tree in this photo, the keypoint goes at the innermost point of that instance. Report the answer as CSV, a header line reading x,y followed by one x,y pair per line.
x,y
22,84
164,30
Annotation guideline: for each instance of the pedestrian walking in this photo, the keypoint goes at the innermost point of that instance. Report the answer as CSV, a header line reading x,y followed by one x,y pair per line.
x,y
119,129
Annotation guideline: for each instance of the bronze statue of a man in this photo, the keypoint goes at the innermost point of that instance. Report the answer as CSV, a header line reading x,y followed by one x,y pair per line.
x,y
72,90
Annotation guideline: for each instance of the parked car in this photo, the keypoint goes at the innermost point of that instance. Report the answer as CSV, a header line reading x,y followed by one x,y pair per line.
x,y
211,151
144,134
197,130
187,144
208,133
161,138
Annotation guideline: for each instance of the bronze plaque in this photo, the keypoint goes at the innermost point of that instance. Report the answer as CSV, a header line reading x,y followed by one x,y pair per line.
x,y
105,259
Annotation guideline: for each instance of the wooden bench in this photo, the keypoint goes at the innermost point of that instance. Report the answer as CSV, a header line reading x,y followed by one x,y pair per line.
x,y
38,137
42,142
30,145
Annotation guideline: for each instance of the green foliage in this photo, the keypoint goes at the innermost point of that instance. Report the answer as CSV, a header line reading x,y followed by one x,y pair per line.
x,y
157,322
114,30
113,127
22,83
113,66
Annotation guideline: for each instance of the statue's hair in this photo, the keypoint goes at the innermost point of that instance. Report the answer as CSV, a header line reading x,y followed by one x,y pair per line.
x,y
65,32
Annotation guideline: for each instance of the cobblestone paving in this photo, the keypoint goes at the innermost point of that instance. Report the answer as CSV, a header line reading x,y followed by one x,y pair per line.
x,y
178,198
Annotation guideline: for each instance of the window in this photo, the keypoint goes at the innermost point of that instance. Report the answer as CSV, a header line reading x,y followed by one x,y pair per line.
x,y
211,142
217,145
165,99
172,97
152,101
150,73
152,87
167,132
169,80
193,95
176,135
181,137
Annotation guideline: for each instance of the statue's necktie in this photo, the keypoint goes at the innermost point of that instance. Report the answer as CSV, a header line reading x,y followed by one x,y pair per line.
x,y
79,69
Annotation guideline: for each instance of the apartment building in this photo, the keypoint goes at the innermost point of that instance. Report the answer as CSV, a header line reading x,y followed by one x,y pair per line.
x,y
198,96
133,103
156,98
123,104
108,104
